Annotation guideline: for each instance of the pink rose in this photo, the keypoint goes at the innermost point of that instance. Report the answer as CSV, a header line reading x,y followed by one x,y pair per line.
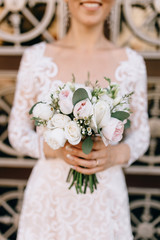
x,y
113,130
83,109
65,101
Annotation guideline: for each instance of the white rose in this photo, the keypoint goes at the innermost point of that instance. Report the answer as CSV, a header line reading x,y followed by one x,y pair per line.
x,y
107,99
43,111
83,109
55,138
102,113
72,133
59,121
65,100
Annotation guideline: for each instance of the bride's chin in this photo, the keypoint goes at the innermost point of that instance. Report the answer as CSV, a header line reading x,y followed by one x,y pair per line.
x,y
91,21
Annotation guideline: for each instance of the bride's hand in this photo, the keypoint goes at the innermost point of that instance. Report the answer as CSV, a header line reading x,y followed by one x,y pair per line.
x,y
100,158
50,153
59,153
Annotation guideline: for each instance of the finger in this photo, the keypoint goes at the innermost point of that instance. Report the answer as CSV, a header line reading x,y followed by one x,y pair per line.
x,y
67,160
80,162
97,154
97,145
91,156
78,152
79,145
95,140
88,171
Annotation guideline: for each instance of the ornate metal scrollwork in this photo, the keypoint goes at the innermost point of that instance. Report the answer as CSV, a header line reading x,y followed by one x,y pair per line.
x,y
5,108
10,207
149,164
27,20
150,23
145,210
9,156
136,23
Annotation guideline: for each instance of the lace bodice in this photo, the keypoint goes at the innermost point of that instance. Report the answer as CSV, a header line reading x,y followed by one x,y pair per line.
x,y
35,78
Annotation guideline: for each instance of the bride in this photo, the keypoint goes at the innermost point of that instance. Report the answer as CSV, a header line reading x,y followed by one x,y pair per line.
x,y
50,211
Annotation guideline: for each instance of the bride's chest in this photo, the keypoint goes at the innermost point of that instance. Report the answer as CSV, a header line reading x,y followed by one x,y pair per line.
x,y
83,69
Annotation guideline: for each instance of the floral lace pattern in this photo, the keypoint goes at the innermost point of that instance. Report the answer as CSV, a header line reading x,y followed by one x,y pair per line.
x,y
132,77
51,211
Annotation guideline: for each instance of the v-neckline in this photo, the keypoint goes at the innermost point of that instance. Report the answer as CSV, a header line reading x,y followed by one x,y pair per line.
x,y
119,65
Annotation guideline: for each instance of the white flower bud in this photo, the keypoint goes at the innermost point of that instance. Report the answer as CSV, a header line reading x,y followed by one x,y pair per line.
x,y
94,99
43,111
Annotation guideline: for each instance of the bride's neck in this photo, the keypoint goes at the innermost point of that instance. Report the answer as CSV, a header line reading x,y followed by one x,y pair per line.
x,y
85,38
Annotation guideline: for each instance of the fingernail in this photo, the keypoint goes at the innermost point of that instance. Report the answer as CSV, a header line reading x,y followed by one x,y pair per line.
x,y
73,167
68,148
69,156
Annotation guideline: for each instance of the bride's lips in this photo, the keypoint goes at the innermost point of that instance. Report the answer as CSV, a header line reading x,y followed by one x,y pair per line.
x,y
91,5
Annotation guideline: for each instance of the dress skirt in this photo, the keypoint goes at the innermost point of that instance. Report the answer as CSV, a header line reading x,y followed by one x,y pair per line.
x,y
53,212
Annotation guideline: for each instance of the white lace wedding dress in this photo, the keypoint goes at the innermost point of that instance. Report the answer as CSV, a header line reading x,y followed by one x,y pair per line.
x,y
51,211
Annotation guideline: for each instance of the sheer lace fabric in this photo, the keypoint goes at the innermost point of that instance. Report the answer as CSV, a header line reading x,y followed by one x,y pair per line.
x,y
132,77
50,210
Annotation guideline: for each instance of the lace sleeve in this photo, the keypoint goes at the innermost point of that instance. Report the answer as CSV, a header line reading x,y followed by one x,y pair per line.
x,y
21,129
137,137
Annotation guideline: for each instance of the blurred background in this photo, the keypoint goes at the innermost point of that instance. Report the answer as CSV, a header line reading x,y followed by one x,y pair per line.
x,y
133,23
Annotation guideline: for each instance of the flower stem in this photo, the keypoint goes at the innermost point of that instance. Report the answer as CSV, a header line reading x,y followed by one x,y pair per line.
x,y
74,178
70,174
86,183
82,181
91,183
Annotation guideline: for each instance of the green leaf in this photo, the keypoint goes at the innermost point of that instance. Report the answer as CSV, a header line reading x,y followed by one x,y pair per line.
x,y
128,124
79,95
73,78
108,80
87,145
120,115
31,110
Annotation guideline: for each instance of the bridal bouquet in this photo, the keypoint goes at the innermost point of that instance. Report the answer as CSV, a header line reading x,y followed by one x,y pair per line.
x,y
73,112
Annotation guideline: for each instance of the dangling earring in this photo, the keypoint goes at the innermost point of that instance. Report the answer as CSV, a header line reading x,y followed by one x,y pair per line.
x,y
111,18
107,26
67,20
